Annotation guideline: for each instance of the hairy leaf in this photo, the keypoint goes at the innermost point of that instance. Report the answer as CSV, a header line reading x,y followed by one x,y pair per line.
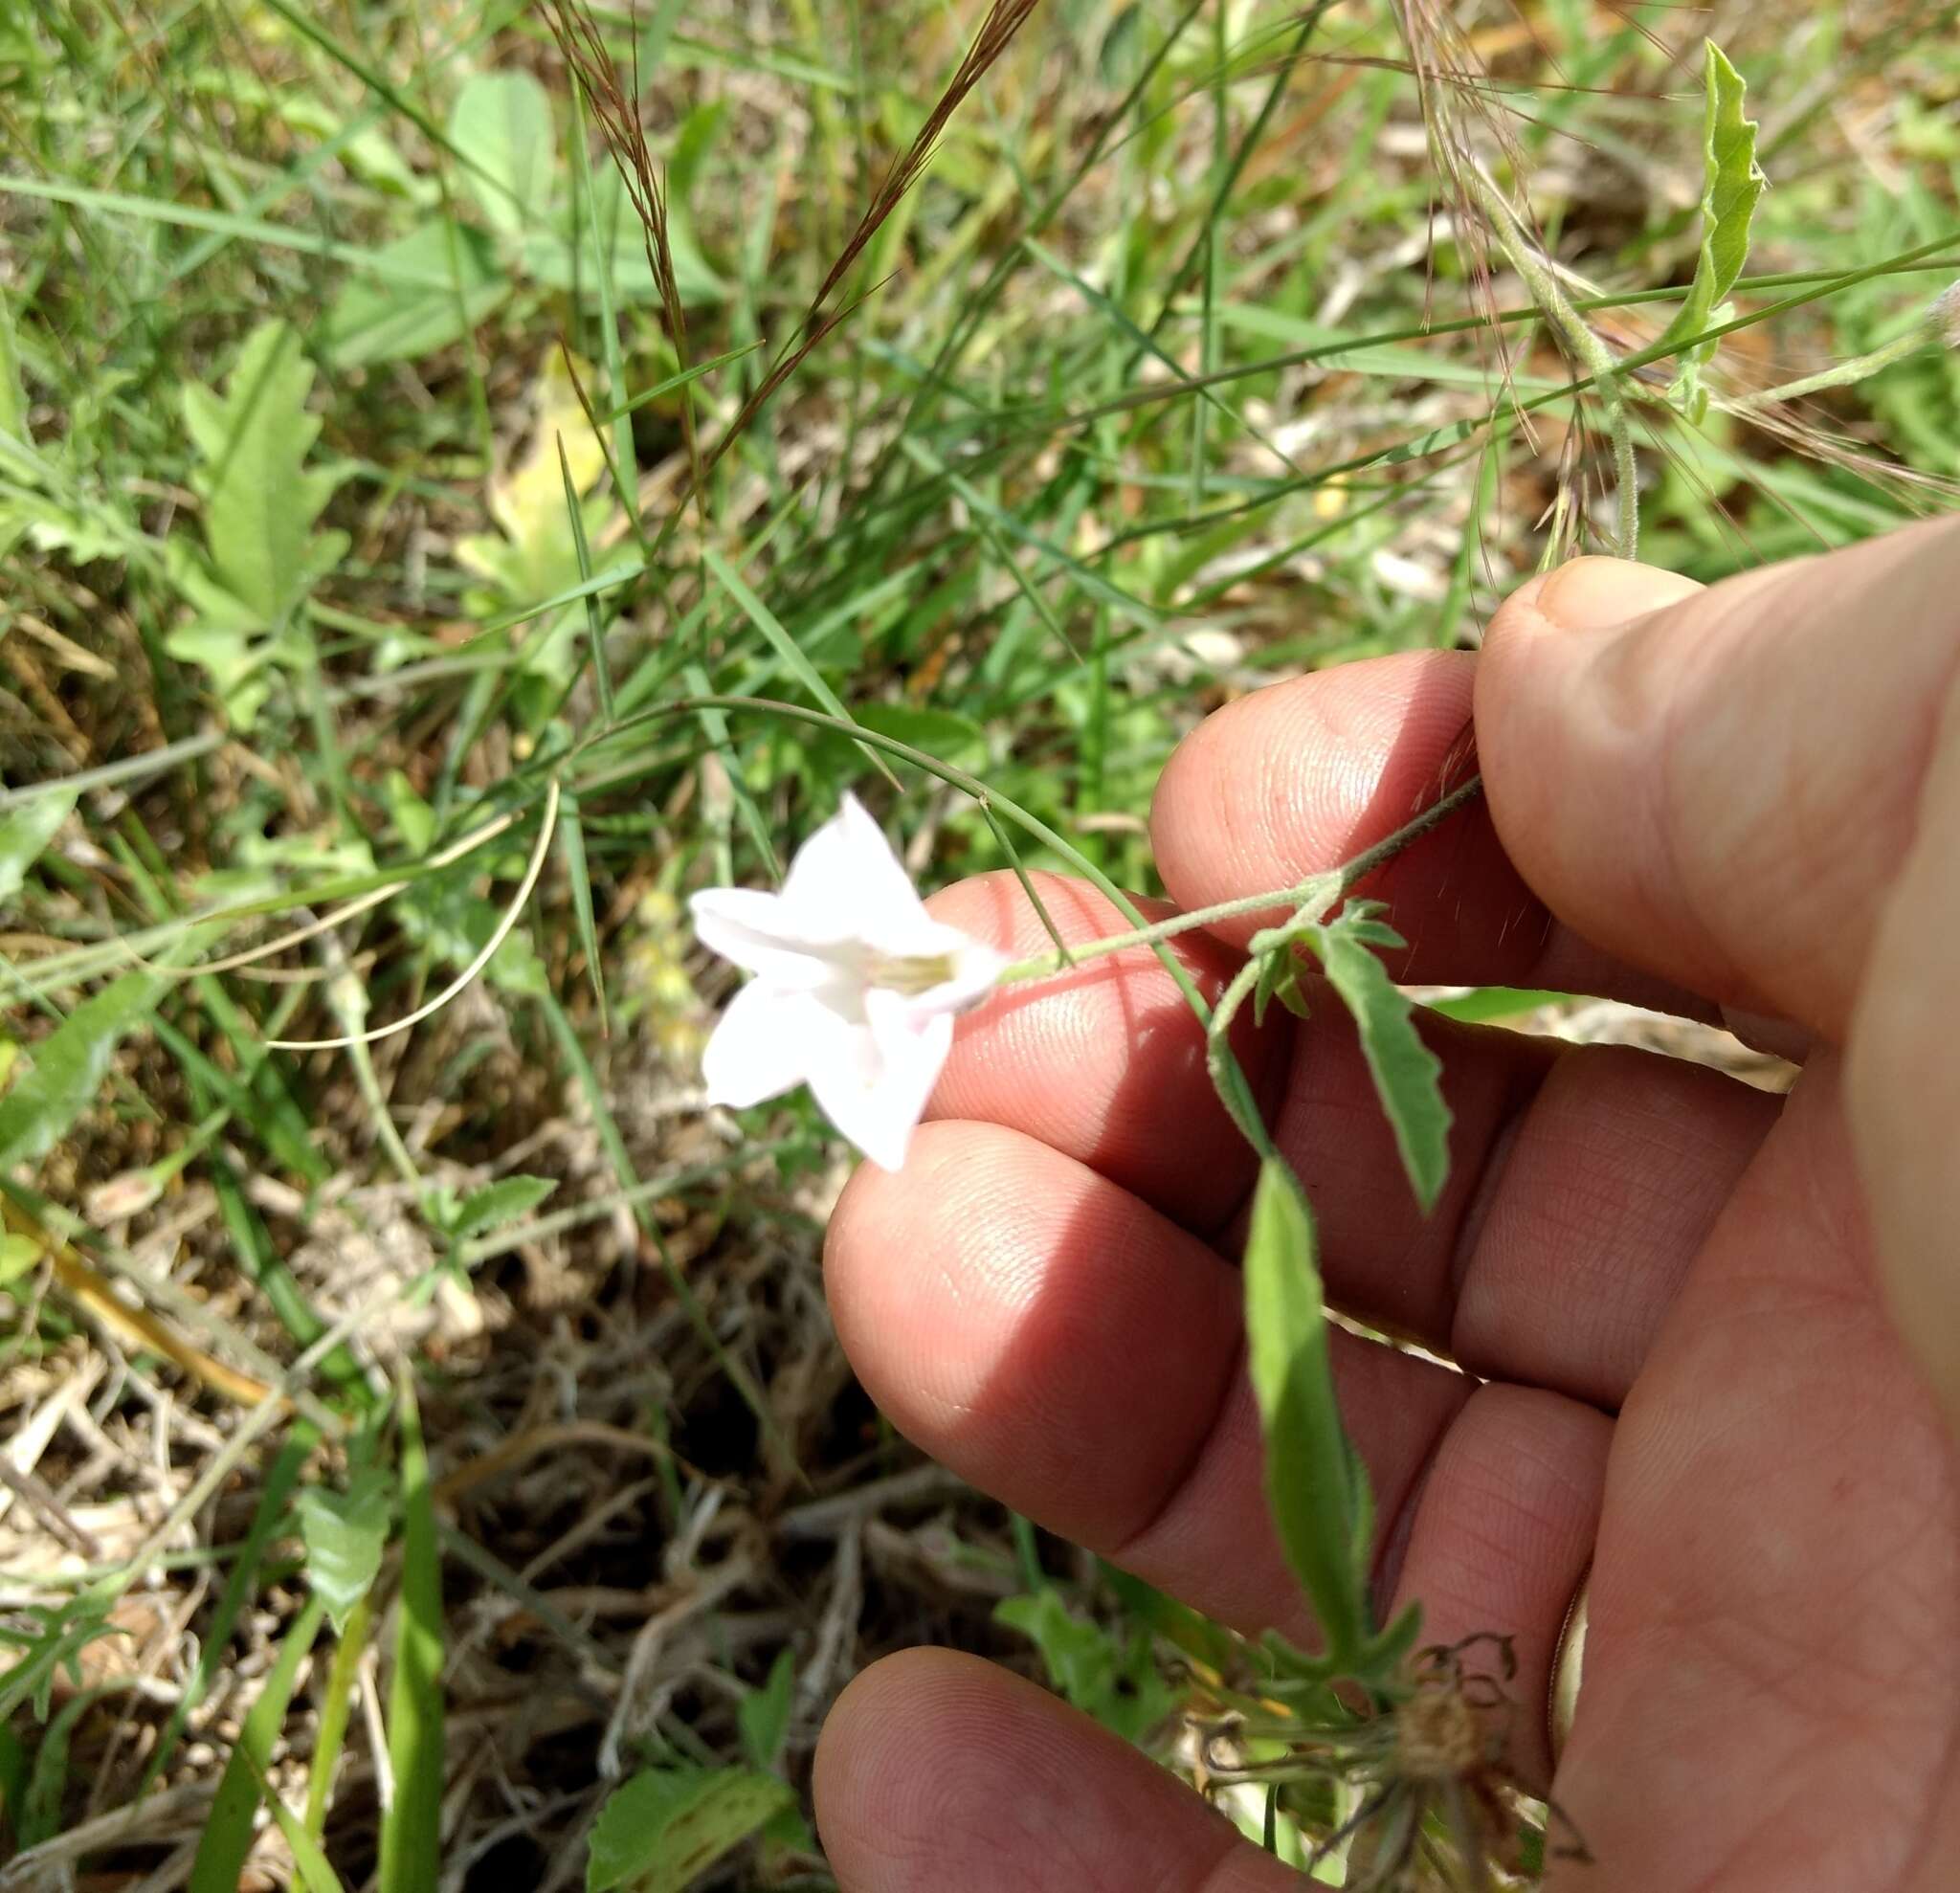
x,y
1312,1480
501,1202
764,1714
344,1534
1732,185
663,1829
1407,1074
69,1065
25,832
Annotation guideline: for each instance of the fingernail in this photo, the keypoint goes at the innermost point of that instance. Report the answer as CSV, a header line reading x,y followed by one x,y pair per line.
x,y
1599,594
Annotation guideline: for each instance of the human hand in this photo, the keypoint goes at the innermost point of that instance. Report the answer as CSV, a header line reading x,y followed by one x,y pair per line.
x,y
1712,1337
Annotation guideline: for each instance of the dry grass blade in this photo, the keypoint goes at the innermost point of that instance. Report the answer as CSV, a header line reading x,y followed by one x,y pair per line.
x,y
584,47
578,36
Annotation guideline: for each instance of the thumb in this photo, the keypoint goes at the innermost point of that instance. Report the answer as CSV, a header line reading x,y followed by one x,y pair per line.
x,y
1720,785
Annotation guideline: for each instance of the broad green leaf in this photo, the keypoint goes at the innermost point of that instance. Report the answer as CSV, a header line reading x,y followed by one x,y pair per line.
x,y
763,1713
1310,1476
1112,1678
432,287
501,1202
25,832
69,1065
344,1534
260,500
662,1830
1732,185
502,122
411,1828
1407,1074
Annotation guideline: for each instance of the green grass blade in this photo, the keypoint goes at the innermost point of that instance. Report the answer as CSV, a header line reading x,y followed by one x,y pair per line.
x,y
411,1829
784,647
227,1827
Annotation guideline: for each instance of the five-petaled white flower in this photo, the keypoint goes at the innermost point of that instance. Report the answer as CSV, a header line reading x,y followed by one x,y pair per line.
x,y
854,990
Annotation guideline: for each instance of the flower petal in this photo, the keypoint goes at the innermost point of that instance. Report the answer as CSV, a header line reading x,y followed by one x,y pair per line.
x,y
877,1094
759,932
846,884
764,1044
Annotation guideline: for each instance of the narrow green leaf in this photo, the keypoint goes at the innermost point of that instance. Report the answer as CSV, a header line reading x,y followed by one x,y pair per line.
x,y
501,1203
227,1827
12,395
578,872
502,126
1408,1076
315,1869
1308,1473
663,1829
763,1713
69,1065
242,1582
1732,185
344,1534
25,832
596,629
1482,1004
784,647
411,1829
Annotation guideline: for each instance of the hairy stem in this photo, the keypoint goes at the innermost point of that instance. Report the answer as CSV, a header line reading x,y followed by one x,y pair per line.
x,y
1593,354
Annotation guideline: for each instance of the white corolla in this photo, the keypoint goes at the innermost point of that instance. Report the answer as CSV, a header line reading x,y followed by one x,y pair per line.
x,y
854,990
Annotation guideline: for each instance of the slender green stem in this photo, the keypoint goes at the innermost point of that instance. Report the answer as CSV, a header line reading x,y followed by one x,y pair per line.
x,y
1843,375
1330,885
1596,357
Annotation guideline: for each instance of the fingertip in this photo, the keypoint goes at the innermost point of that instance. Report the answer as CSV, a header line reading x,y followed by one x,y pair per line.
x,y
1588,594
937,1772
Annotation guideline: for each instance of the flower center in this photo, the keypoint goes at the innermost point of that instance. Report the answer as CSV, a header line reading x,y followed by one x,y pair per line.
x,y
909,974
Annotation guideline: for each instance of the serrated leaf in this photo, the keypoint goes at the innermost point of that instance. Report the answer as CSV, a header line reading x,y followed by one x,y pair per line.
x,y
69,1065
344,1534
502,1202
663,1829
1311,1477
260,499
1408,1076
502,122
764,1714
25,834
1732,185
435,285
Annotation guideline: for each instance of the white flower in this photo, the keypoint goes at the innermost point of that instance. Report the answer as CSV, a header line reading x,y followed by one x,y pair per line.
x,y
854,990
